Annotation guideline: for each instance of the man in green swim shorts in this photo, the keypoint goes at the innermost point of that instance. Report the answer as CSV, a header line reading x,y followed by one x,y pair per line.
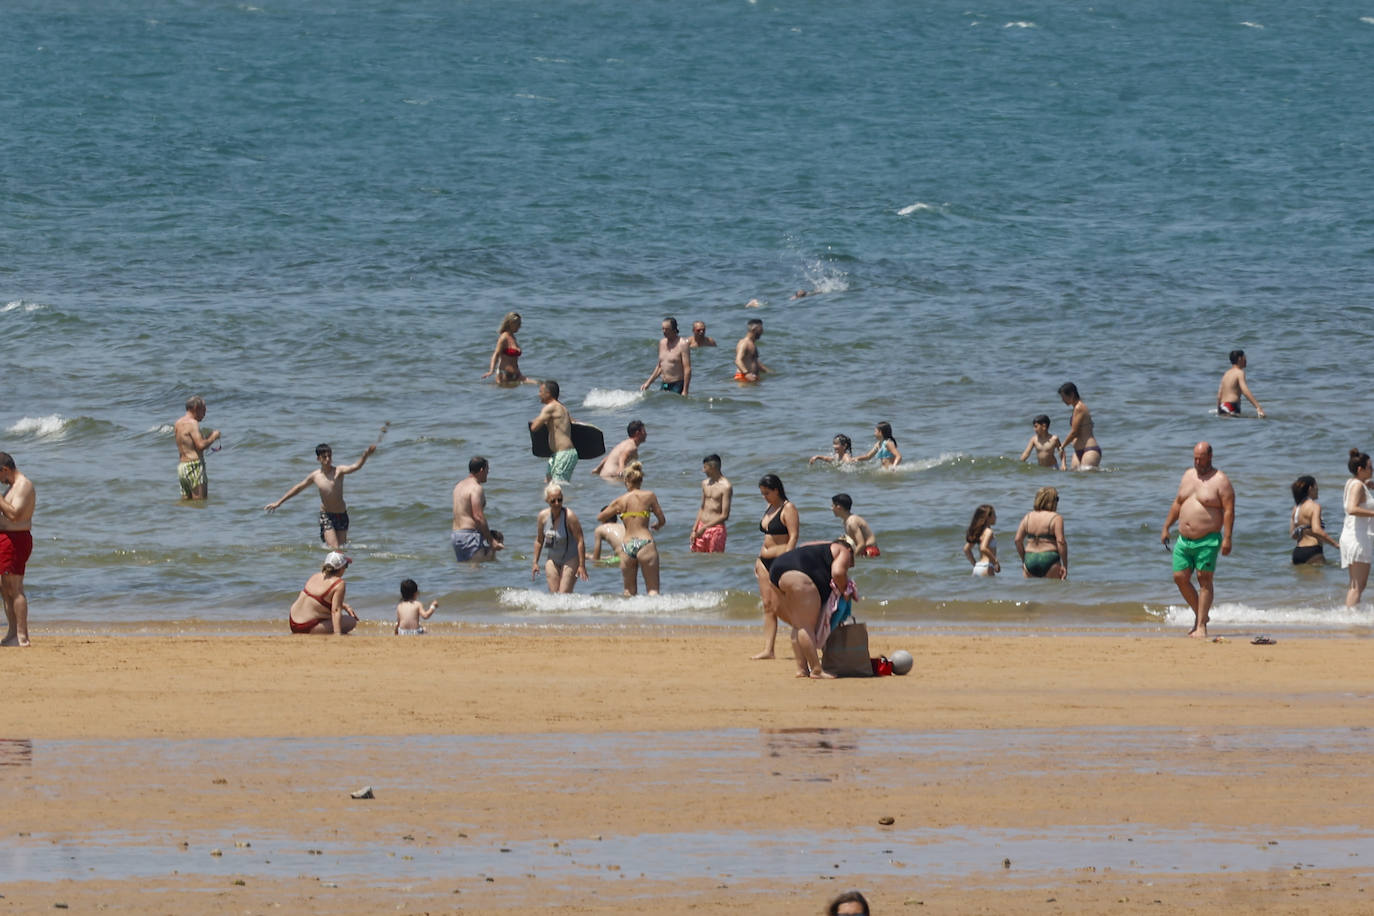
x,y
191,446
1205,509
555,418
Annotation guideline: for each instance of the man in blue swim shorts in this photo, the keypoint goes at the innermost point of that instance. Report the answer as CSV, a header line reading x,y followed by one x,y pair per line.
x,y
472,540
1205,509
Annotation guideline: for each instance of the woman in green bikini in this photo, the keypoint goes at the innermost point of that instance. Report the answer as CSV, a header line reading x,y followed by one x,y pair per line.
x,y
1040,539
638,552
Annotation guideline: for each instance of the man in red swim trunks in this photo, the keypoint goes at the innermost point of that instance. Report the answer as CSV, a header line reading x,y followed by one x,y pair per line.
x,y
708,531
1233,388
16,543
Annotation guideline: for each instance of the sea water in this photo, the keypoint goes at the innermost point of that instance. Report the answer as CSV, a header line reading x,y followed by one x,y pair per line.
x,y
315,215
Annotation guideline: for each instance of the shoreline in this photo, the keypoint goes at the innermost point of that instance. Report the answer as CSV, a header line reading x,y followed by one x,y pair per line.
x,y
587,771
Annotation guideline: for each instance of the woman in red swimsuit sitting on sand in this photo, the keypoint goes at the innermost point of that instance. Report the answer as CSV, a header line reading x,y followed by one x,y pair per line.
x,y
505,359
320,607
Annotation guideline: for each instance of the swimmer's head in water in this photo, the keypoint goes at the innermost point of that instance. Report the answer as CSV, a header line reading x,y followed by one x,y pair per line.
x,y
843,443
634,474
885,430
669,326
477,464
1236,356
711,461
1046,499
1069,392
634,428
1041,420
843,500
511,323
983,516
549,387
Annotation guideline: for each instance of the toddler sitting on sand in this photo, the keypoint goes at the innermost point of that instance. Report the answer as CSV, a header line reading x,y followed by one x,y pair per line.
x,y
409,611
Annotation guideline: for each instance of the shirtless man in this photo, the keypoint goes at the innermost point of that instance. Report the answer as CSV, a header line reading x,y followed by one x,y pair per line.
x,y
1233,387
613,465
471,538
674,369
191,448
748,368
865,541
1205,509
699,338
329,479
16,544
708,531
555,419
1045,446
1086,452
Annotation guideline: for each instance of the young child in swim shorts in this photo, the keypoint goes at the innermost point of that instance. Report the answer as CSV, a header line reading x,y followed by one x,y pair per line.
x,y
409,610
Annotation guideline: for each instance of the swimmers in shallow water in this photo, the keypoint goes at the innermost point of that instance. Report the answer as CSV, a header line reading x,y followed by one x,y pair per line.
x,y
1040,539
1049,451
884,447
505,359
843,451
1305,524
980,544
638,553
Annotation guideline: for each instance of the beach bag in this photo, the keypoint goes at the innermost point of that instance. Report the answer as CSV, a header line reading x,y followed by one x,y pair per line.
x,y
846,651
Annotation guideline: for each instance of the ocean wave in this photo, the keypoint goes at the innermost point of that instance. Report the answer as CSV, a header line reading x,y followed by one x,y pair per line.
x,y
1235,614
542,602
22,305
1021,24
920,207
611,398
52,426
925,464
1251,25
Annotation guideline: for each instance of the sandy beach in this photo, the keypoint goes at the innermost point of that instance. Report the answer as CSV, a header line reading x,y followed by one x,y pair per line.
x,y
595,770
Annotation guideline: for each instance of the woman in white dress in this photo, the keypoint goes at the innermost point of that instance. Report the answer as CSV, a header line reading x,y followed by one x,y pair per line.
x,y
1357,536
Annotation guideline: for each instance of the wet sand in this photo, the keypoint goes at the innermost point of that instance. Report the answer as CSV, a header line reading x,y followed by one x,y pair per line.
x,y
588,771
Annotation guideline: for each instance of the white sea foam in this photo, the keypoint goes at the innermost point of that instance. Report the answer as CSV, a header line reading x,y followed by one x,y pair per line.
x,y
917,207
18,305
1237,614
1251,25
49,427
611,398
162,429
1022,24
537,601
1367,19
924,464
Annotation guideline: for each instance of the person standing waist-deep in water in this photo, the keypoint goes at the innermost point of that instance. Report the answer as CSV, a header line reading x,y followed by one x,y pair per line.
x,y
191,446
329,479
1205,509
1040,538
980,544
555,419
1086,452
674,368
884,447
1233,387
505,359
16,546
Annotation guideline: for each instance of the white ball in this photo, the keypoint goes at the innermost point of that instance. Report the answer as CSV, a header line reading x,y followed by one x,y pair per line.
x,y
901,661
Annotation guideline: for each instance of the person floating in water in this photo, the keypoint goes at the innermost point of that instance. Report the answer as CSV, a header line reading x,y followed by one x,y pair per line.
x,y
1233,388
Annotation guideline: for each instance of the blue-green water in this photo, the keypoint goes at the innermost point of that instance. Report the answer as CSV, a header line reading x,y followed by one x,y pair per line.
x,y
315,215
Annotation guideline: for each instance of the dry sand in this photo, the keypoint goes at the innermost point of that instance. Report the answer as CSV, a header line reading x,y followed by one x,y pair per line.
x,y
600,770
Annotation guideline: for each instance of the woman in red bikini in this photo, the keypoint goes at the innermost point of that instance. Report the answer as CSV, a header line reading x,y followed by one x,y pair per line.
x,y
505,359
320,607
